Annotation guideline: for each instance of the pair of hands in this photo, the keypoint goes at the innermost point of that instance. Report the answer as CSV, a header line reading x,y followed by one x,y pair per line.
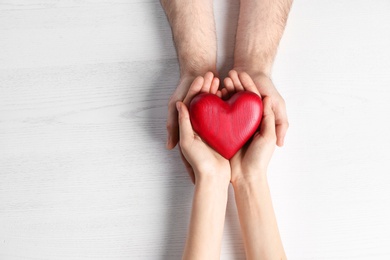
x,y
201,161
264,86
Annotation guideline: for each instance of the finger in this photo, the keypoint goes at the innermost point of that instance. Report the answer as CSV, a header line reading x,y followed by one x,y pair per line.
x,y
219,93
248,83
214,86
267,128
194,89
186,133
172,126
229,86
281,131
208,79
281,122
236,81
188,166
225,93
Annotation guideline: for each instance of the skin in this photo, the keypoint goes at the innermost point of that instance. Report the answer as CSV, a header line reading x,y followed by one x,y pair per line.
x,y
247,171
207,84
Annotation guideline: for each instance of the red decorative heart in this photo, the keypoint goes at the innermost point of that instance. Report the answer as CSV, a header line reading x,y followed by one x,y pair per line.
x,y
226,125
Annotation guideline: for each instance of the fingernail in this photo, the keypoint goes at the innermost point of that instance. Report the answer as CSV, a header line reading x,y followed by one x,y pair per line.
x,y
178,106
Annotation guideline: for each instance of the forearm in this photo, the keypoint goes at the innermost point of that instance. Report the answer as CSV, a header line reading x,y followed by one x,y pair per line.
x,y
260,27
207,220
193,30
257,220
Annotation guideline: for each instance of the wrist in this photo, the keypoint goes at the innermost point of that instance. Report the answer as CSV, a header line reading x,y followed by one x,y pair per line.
x,y
214,180
255,71
248,180
195,65
254,50
195,70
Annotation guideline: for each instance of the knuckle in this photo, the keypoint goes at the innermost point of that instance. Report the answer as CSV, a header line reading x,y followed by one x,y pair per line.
x,y
183,117
184,145
171,125
232,73
281,101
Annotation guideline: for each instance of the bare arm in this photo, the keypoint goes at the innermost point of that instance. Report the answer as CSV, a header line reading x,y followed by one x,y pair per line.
x,y
257,220
193,30
260,27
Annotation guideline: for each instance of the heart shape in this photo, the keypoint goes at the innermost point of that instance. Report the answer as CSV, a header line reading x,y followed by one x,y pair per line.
x,y
226,125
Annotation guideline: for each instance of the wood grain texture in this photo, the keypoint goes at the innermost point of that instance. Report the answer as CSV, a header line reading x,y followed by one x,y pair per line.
x,y
83,169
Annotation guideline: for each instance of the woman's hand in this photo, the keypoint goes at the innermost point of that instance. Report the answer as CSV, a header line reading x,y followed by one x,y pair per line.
x,y
199,157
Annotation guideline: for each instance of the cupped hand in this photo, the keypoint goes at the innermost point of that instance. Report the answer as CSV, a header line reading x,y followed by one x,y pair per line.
x,y
251,161
200,158
172,122
266,88
180,93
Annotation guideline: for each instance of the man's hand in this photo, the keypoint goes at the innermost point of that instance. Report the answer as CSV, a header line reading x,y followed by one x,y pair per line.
x,y
172,120
266,88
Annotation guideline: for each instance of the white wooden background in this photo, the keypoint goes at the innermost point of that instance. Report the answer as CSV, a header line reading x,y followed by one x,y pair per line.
x,y
83,169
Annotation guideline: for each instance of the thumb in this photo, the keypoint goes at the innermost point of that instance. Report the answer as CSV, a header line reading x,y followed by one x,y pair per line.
x,y
267,128
185,128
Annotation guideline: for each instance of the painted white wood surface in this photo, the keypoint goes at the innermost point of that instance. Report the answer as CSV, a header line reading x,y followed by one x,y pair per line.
x,y
83,169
